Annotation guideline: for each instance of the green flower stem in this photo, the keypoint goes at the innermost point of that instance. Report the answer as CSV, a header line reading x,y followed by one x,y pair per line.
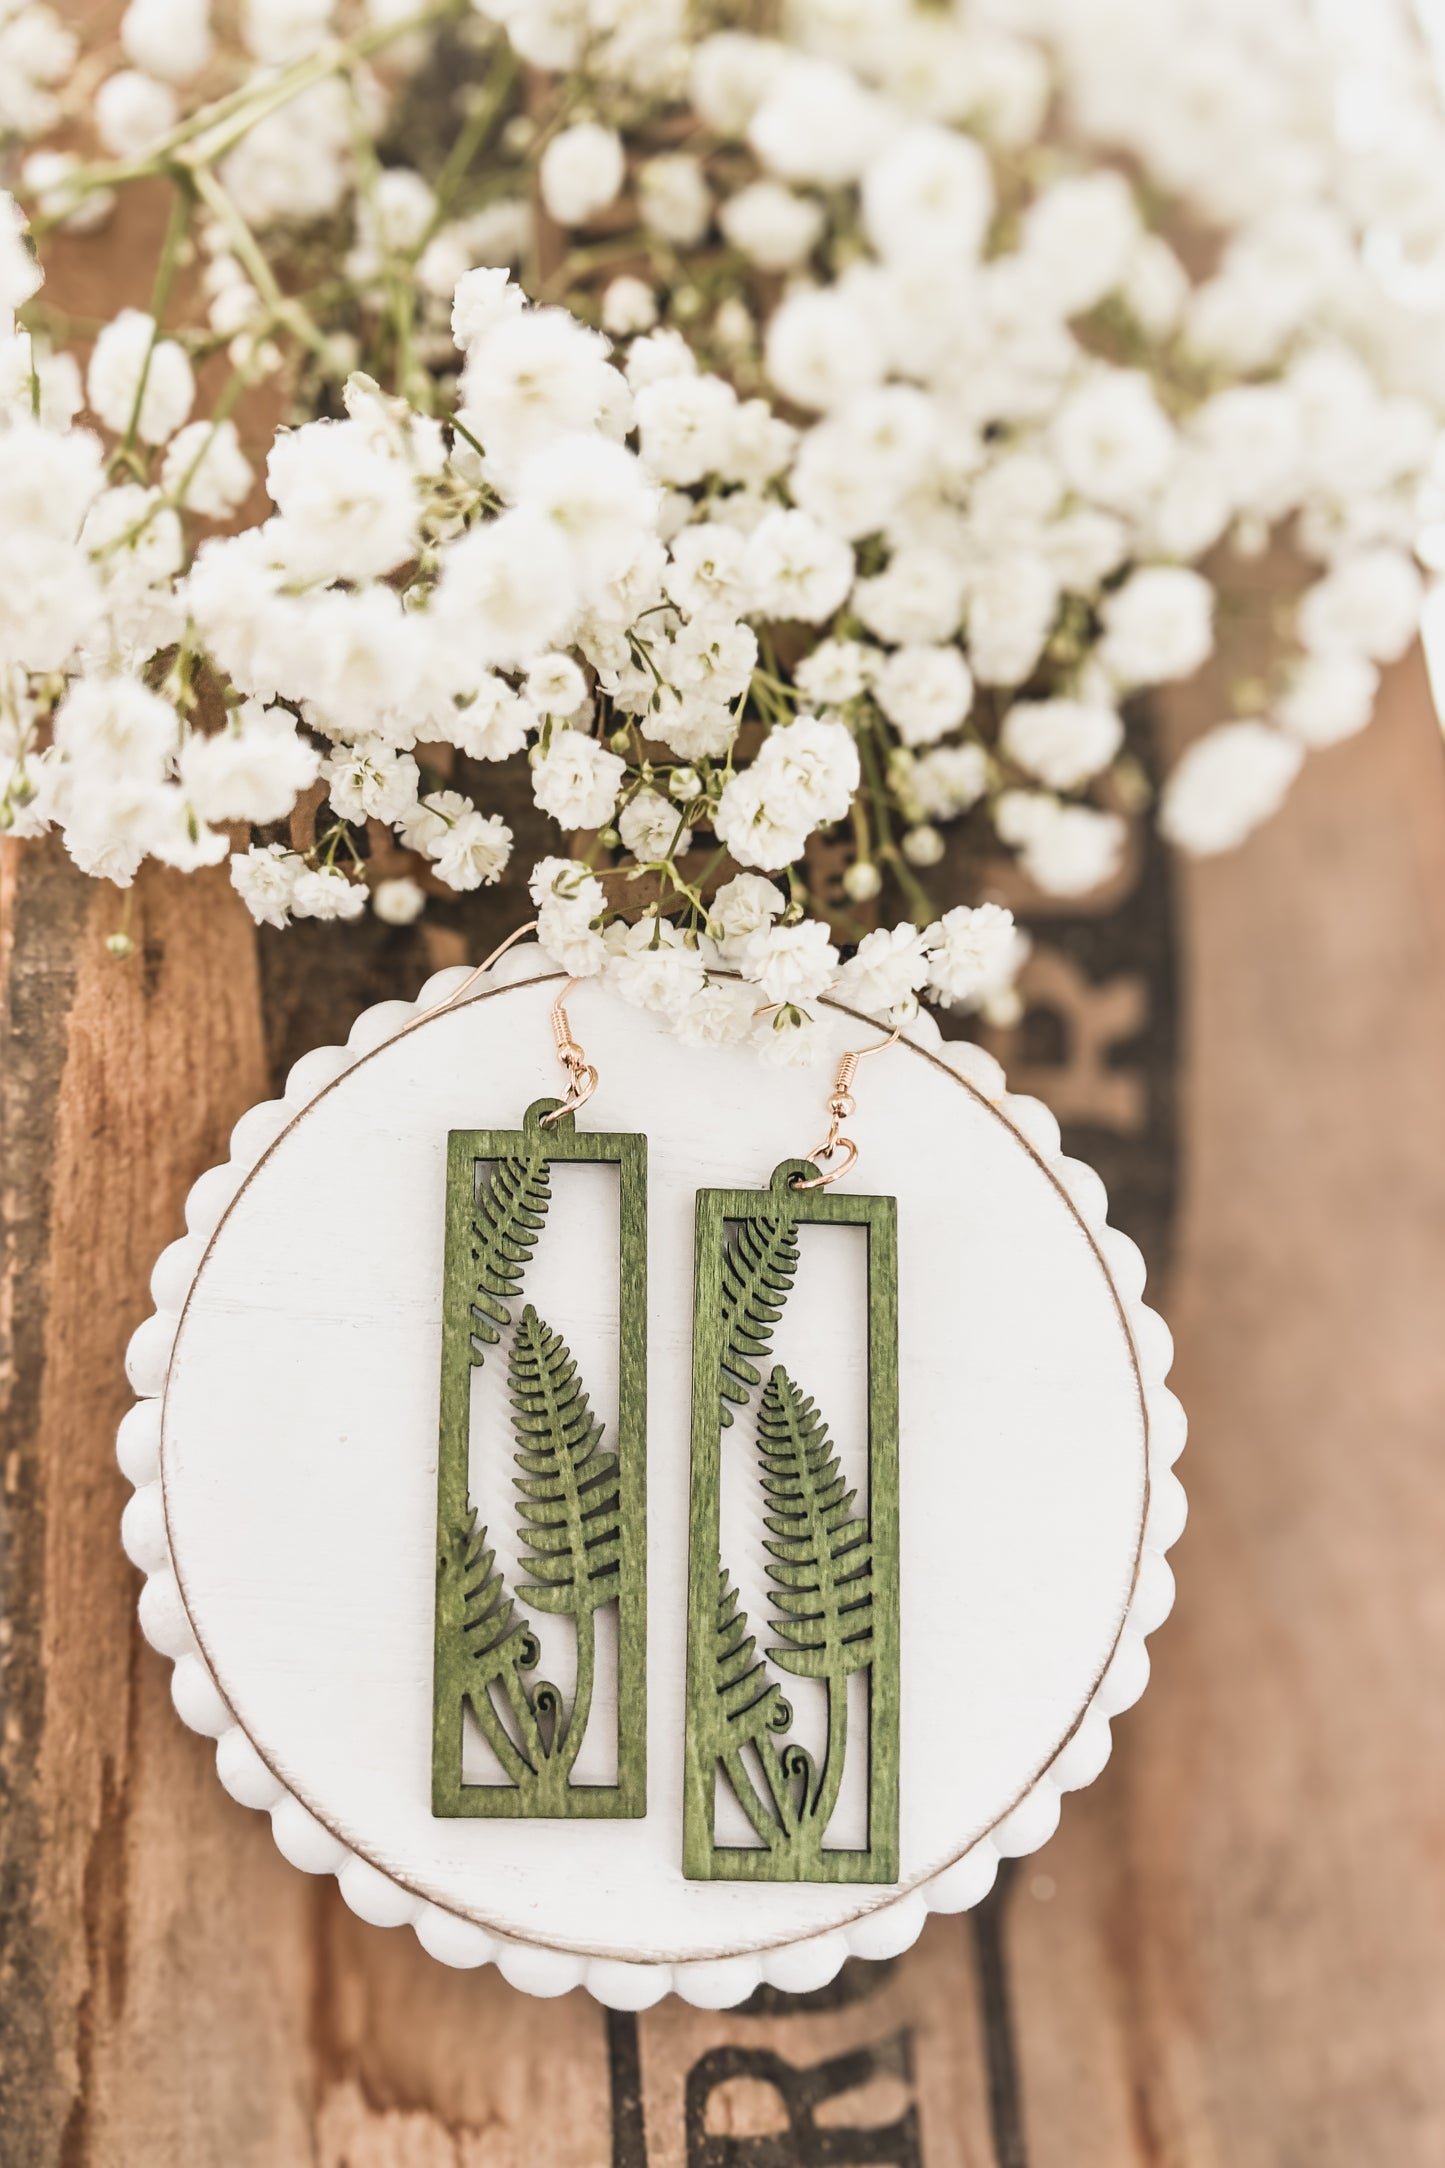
x,y
474,135
209,133
252,258
177,227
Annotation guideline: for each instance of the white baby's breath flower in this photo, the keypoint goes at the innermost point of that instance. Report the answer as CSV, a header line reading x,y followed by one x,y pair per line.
x,y
399,901
206,470
254,770
885,974
1067,849
674,198
796,569
774,228
133,111
128,355
1158,626
265,880
1330,697
792,964
577,780
474,850
371,783
649,828
1062,742
555,685
655,969
629,305
1229,781
743,906
973,954
328,894
581,172
924,691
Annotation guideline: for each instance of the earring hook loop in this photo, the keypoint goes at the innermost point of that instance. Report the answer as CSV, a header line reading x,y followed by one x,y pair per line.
x,y
840,1107
581,1076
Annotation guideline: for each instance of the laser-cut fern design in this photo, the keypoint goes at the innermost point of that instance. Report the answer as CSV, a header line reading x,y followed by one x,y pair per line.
x,y
570,1504
758,1270
820,1565
750,1711
510,1214
493,1643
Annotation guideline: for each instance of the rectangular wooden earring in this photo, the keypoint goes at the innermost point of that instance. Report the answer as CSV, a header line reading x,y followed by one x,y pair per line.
x,y
832,1571
581,1503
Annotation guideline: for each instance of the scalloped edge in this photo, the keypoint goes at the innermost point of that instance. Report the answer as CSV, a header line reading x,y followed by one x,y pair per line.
x,y
798,1966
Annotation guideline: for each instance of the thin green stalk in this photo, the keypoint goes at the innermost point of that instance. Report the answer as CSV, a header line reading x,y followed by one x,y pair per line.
x,y
177,227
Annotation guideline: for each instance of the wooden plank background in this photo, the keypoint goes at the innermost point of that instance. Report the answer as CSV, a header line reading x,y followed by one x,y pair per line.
x,y
1231,1954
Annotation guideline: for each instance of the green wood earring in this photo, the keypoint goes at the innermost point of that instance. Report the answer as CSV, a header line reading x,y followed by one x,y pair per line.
x,y
581,1504
831,1568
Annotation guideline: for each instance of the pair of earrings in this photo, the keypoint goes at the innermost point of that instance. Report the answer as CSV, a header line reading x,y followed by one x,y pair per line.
x,y
764,1770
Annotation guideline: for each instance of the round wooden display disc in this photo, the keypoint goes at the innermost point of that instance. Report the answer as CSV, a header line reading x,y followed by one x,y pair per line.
x,y
285,1458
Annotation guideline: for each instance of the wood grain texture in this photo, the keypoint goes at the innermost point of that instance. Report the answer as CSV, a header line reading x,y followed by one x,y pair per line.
x,y
1233,1955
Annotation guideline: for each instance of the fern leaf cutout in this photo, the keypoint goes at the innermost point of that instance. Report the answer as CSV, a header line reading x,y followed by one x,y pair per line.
x,y
758,1270
570,1505
488,1627
510,1213
750,1704
821,1555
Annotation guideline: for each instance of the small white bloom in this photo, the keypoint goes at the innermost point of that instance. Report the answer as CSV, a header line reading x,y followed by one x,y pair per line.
x,y
1228,782
1367,604
127,352
254,770
115,721
206,470
1067,849
655,969
684,426
822,349
792,964
265,880
796,569
674,198
1080,238
812,764
474,850
581,172
649,828
534,376
924,691
20,274
596,497
884,977
577,780
755,832
484,299
916,600
398,902
1158,626
772,227
1113,441
133,111
742,907
325,893
862,881
350,510
1062,742
817,123
509,588
275,31
836,672
731,75
1330,697
707,570
947,780
629,305
928,198
664,354
973,954
566,932
370,783
1011,609
923,846
555,685
168,38
721,1013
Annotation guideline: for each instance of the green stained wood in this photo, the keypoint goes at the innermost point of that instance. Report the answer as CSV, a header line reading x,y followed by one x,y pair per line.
x,y
580,1501
832,1570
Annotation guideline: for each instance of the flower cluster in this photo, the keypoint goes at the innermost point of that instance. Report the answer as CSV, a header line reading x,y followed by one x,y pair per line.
x,y
851,450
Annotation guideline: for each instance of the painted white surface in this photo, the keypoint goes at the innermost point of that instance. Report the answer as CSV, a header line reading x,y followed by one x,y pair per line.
x,y
299,1459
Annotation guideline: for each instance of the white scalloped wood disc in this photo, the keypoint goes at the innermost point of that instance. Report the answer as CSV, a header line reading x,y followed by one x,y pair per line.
x,y
286,1497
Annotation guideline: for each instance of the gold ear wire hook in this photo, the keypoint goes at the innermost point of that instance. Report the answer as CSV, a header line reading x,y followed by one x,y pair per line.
x,y
581,1074
840,1107
582,1077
